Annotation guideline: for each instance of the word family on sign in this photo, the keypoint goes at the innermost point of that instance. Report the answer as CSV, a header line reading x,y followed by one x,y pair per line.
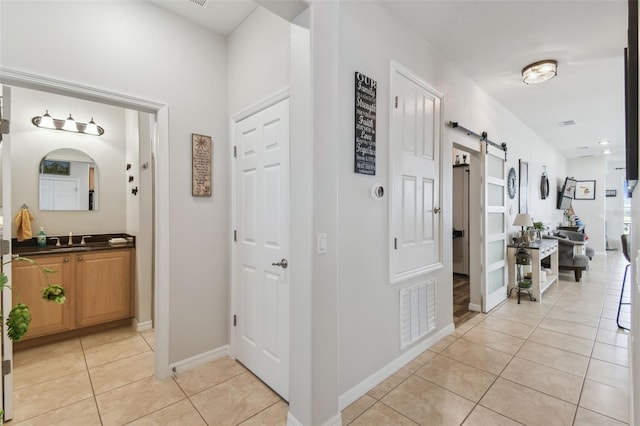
x,y
365,125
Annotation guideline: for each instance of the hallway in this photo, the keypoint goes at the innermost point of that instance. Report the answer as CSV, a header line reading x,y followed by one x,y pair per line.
x,y
559,362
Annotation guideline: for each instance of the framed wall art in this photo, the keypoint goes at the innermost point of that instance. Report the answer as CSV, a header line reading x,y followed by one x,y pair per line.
x,y
585,190
201,165
523,187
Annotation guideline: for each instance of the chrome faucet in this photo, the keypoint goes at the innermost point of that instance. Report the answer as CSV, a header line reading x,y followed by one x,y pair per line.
x,y
57,241
70,238
83,242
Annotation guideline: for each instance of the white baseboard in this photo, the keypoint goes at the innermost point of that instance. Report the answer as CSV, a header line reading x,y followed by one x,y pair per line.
x,y
334,421
379,376
198,360
292,421
141,326
475,307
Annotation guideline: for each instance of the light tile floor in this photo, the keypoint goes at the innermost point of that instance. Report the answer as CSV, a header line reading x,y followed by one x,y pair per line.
x,y
561,361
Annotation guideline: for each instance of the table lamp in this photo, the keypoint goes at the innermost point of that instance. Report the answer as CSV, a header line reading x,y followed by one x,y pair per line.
x,y
522,220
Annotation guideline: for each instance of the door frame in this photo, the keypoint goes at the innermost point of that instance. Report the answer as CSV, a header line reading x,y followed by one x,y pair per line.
x,y
161,208
233,260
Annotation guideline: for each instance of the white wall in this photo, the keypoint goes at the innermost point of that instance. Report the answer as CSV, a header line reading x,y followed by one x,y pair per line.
x,y
368,314
30,144
258,59
137,49
614,206
144,238
591,212
132,149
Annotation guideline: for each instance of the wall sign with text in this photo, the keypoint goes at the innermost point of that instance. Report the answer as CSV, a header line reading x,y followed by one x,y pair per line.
x,y
365,125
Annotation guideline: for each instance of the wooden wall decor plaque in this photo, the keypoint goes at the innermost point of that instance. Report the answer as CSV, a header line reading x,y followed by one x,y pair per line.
x,y
201,165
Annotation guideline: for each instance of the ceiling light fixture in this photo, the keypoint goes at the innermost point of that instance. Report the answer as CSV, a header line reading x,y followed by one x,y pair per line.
x,y
604,142
69,125
540,71
605,152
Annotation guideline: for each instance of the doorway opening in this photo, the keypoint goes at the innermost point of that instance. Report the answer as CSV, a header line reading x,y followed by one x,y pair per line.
x,y
149,125
461,163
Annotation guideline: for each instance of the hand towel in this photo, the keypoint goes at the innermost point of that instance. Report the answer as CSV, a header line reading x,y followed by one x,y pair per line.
x,y
23,223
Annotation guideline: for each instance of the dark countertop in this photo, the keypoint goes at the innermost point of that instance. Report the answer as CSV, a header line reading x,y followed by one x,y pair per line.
x,y
95,243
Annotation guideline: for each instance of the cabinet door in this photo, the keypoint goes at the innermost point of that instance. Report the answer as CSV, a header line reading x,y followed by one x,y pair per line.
x,y
103,285
28,282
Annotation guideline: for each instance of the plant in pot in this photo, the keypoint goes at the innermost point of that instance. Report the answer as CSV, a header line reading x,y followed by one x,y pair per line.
x,y
539,229
19,317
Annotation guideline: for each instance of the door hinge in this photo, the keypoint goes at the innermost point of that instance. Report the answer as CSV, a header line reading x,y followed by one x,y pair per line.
x,y
5,248
395,244
396,102
235,320
235,235
6,367
235,151
4,126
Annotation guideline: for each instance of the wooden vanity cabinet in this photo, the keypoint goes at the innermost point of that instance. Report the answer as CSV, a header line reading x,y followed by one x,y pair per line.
x,y
27,284
98,287
103,286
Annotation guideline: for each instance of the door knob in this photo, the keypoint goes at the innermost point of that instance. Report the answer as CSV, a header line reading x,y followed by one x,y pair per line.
x,y
283,263
436,210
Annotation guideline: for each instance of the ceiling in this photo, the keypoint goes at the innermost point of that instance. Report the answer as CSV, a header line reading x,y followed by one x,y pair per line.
x,y
491,41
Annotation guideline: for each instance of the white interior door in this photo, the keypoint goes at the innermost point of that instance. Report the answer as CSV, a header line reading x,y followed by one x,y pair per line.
x,y
6,390
416,225
262,221
494,283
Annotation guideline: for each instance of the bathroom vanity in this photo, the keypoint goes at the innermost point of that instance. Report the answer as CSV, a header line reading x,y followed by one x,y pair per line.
x,y
97,277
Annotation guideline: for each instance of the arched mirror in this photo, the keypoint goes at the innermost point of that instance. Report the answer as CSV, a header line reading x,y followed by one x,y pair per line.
x,y
68,181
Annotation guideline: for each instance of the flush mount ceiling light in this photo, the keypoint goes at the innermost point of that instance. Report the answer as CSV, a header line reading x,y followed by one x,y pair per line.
x,y
604,142
69,125
540,71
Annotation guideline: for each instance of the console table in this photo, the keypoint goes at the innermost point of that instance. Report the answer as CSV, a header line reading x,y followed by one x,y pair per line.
x,y
538,250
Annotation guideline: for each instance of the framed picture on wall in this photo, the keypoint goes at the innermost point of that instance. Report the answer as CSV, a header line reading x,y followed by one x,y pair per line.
x,y
523,187
585,190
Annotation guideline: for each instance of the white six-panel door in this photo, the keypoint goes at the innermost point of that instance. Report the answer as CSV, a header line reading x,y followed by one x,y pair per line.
x,y
262,220
494,283
416,224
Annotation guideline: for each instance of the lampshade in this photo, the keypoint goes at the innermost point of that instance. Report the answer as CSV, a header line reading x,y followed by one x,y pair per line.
x,y
46,121
91,128
523,219
70,125
539,72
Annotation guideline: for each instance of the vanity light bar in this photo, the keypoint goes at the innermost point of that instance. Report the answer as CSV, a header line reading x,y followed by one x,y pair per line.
x,y
47,122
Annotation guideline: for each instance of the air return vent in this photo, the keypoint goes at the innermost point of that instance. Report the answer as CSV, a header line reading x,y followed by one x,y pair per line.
x,y
200,3
417,311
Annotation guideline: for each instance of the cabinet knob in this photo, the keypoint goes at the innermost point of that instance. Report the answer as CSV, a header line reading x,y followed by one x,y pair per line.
x,y
80,259
66,260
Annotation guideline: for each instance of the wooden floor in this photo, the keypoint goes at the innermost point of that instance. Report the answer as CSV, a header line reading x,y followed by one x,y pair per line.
x,y
461,312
